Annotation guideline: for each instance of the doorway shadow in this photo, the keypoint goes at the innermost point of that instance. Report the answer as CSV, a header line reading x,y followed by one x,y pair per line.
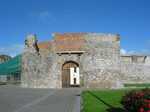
x,y
111,108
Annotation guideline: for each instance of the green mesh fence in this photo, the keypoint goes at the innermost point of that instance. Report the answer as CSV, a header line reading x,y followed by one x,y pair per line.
x,y
11,67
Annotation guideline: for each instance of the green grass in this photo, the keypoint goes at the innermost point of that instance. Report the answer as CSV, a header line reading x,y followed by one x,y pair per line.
x,y
102,100
137,85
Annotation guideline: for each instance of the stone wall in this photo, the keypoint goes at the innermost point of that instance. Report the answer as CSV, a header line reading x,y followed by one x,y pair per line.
x,y
39,68
147,60
45,71
135,73
35,71
134,59
101,61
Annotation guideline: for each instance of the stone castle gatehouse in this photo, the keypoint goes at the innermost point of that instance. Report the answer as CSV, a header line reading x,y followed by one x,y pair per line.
x,y
90,60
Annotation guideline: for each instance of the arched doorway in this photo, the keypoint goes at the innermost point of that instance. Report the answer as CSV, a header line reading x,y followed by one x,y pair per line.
x,y
70,74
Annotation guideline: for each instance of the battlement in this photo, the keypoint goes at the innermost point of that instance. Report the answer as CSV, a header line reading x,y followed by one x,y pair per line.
x,y
138,59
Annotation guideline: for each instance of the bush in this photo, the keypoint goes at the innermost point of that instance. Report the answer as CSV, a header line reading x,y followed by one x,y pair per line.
x,y
137,101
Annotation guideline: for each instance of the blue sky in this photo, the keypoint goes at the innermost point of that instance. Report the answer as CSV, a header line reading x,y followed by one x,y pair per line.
x,y
129,18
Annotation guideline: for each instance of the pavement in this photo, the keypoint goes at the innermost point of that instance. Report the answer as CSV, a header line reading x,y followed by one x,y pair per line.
x,y
16,99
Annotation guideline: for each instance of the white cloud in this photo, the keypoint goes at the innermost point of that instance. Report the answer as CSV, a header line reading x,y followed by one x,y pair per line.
x,y
132,52
12,50
123,51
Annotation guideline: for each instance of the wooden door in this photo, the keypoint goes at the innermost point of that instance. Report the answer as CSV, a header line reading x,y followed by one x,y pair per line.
x,y
66,73
66,78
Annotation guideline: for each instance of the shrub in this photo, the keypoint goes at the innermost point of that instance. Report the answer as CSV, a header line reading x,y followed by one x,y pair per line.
x,y
137,101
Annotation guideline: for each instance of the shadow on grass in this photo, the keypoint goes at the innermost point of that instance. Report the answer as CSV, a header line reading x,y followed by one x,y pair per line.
x,y
115,110
111,108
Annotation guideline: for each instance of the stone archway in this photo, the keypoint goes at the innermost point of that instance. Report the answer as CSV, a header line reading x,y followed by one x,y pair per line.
x,y
70,74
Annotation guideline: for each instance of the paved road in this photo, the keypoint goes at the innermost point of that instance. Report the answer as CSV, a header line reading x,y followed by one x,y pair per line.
x,y
15,99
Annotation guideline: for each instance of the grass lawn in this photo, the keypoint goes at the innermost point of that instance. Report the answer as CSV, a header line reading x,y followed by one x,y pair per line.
x,y
146,85
103,100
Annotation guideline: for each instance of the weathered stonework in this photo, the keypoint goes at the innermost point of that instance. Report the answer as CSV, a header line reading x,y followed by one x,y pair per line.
x,y
98,56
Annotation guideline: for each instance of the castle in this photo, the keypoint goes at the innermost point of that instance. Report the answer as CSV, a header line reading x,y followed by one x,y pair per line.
x,y
89,60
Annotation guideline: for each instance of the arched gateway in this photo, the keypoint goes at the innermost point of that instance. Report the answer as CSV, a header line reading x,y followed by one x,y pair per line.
x,y
70,74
